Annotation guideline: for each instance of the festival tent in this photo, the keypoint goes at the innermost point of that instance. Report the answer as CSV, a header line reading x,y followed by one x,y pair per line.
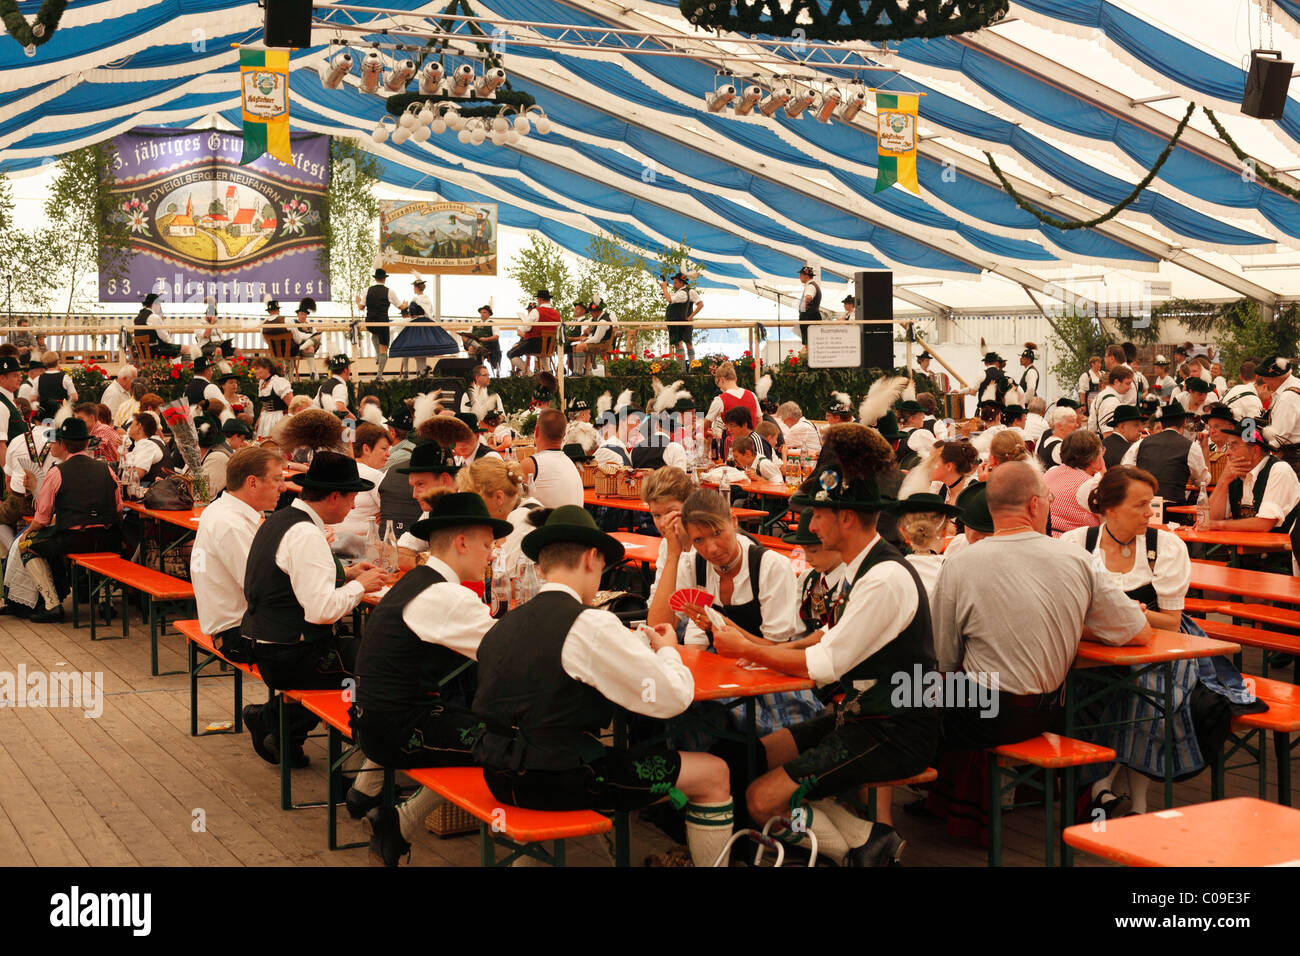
x,y
1074,99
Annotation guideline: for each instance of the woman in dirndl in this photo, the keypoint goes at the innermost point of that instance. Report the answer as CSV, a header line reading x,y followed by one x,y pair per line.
x,y
273,395
1151,565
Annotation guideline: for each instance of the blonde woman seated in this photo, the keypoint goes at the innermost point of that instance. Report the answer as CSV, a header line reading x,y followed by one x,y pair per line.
x,y
1006,446
923,522
501,486
665,491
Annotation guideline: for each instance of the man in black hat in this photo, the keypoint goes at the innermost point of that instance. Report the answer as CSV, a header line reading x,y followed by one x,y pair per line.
x,y
551,673
1170,456
1283,429
579,411
541,320
149,321
839,412
483,341
296,592
810,301
883,629
1126,428
27,388
12,425
78,509
238,434
1029,377
333,393
377,300
850,309
419,635
995,385
305,341
1255,492
684,304
432,464
201,388
597,335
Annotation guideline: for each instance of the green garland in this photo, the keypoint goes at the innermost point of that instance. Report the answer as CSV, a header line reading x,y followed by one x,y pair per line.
x,y
32,34
841,20
1241,155
1114,210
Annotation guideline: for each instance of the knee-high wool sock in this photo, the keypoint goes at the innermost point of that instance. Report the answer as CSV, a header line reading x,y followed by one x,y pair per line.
x,y
708,828
39,569
370,778
831,843
855,830
412,811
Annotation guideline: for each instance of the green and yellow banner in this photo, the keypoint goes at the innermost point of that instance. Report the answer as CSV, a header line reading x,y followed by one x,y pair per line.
x,y
264,83
896,141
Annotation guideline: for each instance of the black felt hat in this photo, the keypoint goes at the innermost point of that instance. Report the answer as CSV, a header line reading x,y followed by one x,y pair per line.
x,y
73,429
461,509
974,507
486,308
1173,412
272,305
909,407
927,502
223,379
1012,412
339,362
470,419
803,534
34,362
308,304
430,458
575,451
1068,403
202,364
579,405
331,471
684,403
570,523
1218,410
1126,413
403,419
381,274
233,426
1197,384
887,425
10,363
1273,367
992,357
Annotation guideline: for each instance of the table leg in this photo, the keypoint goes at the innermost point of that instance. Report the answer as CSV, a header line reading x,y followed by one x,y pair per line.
x,y
1168,669
622,847
286,781
76,610
1282,746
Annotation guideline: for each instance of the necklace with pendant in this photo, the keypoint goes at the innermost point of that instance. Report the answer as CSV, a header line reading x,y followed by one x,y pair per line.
x,y
1125,547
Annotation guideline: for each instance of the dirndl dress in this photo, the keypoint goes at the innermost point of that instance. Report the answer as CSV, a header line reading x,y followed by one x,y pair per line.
x,y
422,339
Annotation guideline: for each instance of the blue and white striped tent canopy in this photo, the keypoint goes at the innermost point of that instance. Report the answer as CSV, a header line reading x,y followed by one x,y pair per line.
x,y
1075,99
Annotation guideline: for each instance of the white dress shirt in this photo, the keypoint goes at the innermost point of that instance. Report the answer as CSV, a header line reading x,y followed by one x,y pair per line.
x,y
511,545
1281,494
144,454
365,507
478,400
1284,413
113,395
448,613
305,556
1196,467
603,654
606,454
1035,426
764,467
778,594
880,605
211,393
218,561
803,435
155,322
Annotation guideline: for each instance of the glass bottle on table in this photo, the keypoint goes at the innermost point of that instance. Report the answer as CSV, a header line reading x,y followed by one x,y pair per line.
x,y
1202,508
389,550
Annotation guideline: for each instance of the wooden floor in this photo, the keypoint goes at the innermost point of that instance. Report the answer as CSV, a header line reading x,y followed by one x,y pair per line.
x,y
132,787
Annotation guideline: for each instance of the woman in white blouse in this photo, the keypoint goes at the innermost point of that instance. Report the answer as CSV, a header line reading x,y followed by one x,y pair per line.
x,y
370,448
501,486
1151,565
273,395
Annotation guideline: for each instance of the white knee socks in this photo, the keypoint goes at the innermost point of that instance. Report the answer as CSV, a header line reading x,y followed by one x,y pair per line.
x,y
370,778
708,828
412,811
39,569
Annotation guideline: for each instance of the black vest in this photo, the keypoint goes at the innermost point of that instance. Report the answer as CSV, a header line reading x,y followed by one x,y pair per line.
x,y
906,456
1025,375
158,467
913,646
1236,488
271,402
537,716
748,616
1164,454
482,452
50,391
194,391
1114,446
274,613
331,383
377,303
397,670
814,311
16,425
679,311
648,456
396,504
142,325
1044,452
1147,592
86,496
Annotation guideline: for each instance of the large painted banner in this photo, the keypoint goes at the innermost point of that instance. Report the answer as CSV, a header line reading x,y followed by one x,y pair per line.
x,y
203,225
438,238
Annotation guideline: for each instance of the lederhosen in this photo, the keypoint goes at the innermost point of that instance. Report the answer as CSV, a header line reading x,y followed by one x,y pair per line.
x,y
868,738
811,314
1277,562
408,711
290,652
676,315
1094,387
377,303
540,747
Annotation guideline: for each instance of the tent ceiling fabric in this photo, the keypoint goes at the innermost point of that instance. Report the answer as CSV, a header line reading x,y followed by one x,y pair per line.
x,y
633,151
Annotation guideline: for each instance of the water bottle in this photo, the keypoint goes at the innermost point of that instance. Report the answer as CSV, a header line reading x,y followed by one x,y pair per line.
x,y
1202,508
724,485
500,588
390,549
374,550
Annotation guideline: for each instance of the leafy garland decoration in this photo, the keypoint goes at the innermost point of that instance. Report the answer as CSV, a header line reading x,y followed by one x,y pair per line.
x,y
840,20
1241,155
32,35
1114,210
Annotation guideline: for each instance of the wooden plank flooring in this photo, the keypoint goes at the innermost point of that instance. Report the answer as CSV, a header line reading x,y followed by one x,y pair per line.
x,y
131,787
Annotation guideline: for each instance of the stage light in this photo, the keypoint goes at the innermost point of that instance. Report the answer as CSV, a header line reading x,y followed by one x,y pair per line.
x,y
775,100
399,76
460,80
333,71
745,105
717,100
826,108
372,72
487,84
431,79
799,103
853,104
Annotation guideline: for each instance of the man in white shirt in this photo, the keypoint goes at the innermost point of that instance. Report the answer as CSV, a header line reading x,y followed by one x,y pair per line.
x,y
150,320
12,426
333,394
296,592
1243,399
549,677
477,400
417,637
118,390
800,433
1255,492
1029,377
883,630
254,483
657,448
555,479
147,449
1278,376
684,304
1117,392
27,389
810,301
1036,420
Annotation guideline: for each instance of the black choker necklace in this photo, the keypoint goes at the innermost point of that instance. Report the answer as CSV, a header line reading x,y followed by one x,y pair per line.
x,y
1125,547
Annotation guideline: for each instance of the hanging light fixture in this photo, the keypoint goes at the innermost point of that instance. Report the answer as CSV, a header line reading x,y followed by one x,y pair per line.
x,y
799,102
333,71
717,100
460,80
745,105
853,104
775,100
399,76
488,83
830,101
431,79
410,117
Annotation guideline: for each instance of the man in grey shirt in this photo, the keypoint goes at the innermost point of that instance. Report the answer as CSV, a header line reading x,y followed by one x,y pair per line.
x,y
1010,611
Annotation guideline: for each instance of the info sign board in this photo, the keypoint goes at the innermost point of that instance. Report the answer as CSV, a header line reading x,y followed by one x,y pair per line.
x,y
834,345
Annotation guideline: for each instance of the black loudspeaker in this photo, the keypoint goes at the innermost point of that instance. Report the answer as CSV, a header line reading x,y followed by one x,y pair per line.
x,y
1266,85
875,294
288,23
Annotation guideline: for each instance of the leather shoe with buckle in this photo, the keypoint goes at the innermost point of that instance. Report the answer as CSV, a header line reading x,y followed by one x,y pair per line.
x,y
387,845
882,848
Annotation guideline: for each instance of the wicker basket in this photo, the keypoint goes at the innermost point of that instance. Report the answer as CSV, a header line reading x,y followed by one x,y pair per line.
x,y
1216,465
449,820
523,452
623,483
589,473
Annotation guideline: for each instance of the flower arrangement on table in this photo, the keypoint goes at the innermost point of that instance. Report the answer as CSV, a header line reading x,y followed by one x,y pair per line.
x,y
177,418
86,376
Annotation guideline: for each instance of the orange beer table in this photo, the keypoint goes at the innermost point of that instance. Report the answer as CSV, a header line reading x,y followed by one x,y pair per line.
x,y
1242,831
1138,661
1260,540
1261,585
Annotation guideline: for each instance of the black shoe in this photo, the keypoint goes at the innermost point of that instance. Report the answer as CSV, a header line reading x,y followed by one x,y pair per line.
x,y
254,720
17,610
359,804
1278,659
1112,807
297,761
387,845
54,616
883,847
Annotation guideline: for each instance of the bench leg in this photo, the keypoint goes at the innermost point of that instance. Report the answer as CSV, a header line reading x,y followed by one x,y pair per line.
x,y
331,787
286,782
1068,796
1263,764
558,854
126,621
1282,746
1217,774
995,811
194,689
76,605
487,849
239,700
1050,835
153,634
1169,734
90,577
